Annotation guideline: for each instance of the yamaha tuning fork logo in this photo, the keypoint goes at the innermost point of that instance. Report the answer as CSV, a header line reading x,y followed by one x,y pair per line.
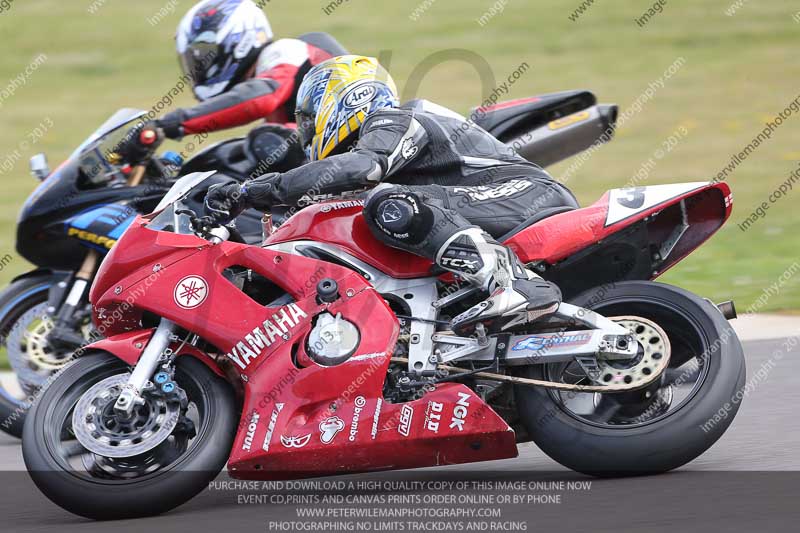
x,y
190,292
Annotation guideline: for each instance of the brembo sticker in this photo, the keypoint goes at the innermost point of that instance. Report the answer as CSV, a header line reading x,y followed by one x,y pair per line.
x,y
263,336
360,402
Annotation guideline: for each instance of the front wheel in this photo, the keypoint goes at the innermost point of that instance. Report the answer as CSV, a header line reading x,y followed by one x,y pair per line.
x,y
94,463
651,430
24,325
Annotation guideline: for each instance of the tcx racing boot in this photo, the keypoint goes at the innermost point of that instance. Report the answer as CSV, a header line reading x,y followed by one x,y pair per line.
x,y
516,295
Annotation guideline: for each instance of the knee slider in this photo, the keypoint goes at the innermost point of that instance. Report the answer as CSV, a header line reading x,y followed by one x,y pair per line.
x,y
398,213
394,214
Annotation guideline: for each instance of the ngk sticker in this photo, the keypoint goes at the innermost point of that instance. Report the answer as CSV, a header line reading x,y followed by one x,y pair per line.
x,y
251,431
460,412
360,402
433,415
329,428
190,292
406,413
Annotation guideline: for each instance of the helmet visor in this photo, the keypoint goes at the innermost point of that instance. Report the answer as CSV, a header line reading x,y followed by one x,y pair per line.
x,y
306,127
197,59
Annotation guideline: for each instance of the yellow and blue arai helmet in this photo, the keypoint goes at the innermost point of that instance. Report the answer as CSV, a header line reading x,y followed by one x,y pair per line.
x,y
336,98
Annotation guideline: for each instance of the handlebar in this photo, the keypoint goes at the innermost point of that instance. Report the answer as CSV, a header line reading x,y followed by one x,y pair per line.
x,y
208,228
149,139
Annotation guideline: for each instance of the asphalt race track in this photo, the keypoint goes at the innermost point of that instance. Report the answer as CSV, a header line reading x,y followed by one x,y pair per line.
x,y
749,481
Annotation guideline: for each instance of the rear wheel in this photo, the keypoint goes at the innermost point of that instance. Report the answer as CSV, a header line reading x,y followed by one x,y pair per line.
x,y
654,429
93,463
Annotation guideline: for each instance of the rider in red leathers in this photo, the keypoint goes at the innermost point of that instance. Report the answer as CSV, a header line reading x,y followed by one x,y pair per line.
x,y
239,73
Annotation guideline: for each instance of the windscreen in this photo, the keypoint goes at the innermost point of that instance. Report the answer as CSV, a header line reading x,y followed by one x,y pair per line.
x,y
182,188
119,119
97,156
166,216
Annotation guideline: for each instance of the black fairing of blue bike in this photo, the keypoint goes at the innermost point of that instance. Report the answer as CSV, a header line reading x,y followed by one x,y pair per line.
x,y
60,220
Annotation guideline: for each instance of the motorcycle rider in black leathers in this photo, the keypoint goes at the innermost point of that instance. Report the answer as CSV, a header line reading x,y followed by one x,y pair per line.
x,y
441,187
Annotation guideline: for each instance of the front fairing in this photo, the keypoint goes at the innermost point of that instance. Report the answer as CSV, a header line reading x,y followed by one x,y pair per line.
x,y
59,187
139,254
60,221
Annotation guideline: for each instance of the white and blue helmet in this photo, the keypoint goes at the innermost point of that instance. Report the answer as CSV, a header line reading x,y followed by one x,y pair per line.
x,y
218,41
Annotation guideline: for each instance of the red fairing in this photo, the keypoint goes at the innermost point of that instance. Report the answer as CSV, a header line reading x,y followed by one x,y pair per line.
x,y
129,346
551,240
286,434
559,236
327,420
133,257
555,238
342,224
510,103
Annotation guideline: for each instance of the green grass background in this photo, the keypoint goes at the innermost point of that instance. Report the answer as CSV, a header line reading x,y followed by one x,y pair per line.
x,y
740,70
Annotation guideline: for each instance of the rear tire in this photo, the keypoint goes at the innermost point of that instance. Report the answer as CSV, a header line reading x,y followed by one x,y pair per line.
x,y
107,497
695,327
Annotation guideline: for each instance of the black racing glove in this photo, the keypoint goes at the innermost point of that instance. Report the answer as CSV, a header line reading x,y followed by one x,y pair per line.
x,y
172,124
225,201
141,142
262,192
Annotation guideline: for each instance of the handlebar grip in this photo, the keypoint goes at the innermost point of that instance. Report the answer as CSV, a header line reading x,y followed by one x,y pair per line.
x,y
148,137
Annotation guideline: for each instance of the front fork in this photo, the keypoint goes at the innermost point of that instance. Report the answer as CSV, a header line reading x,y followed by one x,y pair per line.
x,y
145,367
66,329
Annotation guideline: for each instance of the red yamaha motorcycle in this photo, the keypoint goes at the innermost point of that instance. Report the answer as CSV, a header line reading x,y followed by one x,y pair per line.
x,y
325,352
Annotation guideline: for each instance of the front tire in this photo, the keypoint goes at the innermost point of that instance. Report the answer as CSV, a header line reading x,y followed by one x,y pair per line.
x,y
661,427
16,301
129,487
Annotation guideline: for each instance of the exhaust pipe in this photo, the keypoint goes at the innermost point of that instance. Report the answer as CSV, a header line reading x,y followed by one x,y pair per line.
x,y
567,136
728,309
